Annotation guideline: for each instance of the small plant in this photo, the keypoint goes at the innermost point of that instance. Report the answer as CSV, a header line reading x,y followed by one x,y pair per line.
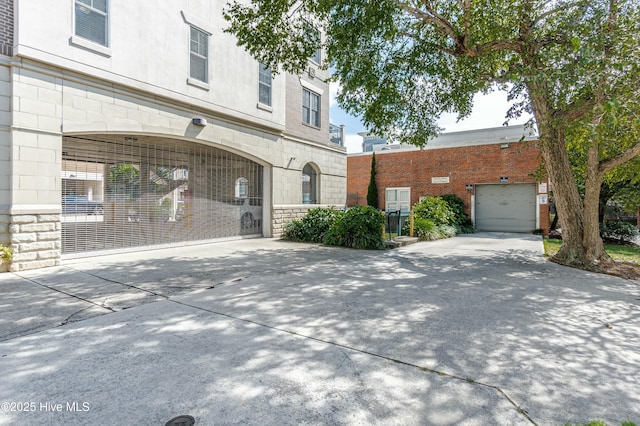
x,y
436,209
313,226
426,229
5,254
359,227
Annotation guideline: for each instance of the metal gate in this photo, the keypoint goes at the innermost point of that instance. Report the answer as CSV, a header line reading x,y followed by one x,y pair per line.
x,y
131,191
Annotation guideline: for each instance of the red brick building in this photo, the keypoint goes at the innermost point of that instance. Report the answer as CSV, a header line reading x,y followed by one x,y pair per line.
x,y
491,170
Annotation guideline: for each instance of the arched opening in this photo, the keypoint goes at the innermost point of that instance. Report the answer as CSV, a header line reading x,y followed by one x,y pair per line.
x,y
131,191
309,184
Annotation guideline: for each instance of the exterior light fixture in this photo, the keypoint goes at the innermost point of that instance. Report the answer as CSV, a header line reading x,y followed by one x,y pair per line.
x,y
504,145
504,179
199,121
469,186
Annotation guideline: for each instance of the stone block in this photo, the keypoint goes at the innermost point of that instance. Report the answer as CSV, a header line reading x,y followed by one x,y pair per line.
x,y
48,236
20,219
38,227
21,257
49,218
23,238
37,264
48,254
36,246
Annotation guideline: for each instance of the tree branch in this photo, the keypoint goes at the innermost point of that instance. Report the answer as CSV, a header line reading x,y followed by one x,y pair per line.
x,y
623,157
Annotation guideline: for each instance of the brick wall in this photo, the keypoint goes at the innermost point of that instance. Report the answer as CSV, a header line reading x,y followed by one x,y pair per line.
x,y
6,27
482,164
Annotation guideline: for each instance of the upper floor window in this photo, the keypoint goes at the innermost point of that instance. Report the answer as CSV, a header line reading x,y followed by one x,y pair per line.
x,y
199,55
264,85
92,20
317,56
310,108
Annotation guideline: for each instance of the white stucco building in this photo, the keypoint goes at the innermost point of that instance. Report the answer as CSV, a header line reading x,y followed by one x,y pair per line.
x,y
125,125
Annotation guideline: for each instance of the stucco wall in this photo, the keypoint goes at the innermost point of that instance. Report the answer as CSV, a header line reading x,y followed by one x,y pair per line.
x,y
148,49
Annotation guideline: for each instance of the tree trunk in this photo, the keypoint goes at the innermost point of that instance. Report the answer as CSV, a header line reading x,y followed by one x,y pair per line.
x,y
569,207
593,186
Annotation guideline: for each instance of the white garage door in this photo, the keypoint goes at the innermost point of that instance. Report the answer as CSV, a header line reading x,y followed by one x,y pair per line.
x,y
506,208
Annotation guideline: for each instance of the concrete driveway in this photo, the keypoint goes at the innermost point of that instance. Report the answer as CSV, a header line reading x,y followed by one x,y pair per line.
x,y
475,330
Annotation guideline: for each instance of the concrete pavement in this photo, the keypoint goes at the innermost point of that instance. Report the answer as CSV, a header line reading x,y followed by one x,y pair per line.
x,y
477,329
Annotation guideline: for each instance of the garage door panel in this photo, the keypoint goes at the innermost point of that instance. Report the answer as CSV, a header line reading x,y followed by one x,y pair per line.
x,y
142,191
505,208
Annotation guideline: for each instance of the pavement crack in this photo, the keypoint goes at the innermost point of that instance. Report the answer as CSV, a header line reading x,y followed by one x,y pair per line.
x,y
495,388
117,282
64,292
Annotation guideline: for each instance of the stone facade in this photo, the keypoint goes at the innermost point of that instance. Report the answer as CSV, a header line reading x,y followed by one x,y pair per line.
x,y
35,240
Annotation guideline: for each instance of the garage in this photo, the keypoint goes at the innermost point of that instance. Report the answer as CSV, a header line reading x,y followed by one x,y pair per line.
x,y
505,208
135,191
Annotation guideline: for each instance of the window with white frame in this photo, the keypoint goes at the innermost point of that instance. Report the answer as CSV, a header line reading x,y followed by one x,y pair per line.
x,y
398,199
92,20
199,55
242,187
310,108
264,85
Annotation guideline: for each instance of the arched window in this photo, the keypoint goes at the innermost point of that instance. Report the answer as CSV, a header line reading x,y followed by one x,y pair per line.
x,y
309,184
242,187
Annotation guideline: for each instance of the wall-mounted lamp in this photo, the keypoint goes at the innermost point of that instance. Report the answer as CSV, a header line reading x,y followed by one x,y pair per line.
x,y
504,145
504,179
469,186
291,158
199,121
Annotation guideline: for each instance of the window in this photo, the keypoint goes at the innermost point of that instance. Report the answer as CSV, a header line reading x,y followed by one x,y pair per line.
x,y
92,20
242,188
310,108
398,199
317,56
264,85
199,55
309,185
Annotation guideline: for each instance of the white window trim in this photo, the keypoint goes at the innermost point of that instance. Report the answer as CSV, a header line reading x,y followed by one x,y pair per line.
x,y
197,83
195,22
315,126
264,107
192,80
311,87
89,45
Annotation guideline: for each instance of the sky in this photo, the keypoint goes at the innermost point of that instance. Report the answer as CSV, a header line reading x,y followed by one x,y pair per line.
x,y
488,111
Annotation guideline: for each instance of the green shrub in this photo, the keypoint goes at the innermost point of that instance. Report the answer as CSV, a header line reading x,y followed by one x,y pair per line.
x,y
426,229
618,230
466,227
456,204
313,226
436,209
359,227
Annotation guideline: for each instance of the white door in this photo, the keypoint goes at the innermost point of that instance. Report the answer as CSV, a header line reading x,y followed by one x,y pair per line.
x,y
506,208
398,199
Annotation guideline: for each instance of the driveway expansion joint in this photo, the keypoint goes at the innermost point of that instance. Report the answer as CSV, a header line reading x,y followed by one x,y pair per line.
x,y
495,388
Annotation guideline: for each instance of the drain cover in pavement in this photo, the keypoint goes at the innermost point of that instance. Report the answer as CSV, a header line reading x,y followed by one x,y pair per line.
x,y
181,421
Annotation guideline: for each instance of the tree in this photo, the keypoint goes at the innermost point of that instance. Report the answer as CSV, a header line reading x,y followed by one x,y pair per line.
x,y
401,63
372,191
